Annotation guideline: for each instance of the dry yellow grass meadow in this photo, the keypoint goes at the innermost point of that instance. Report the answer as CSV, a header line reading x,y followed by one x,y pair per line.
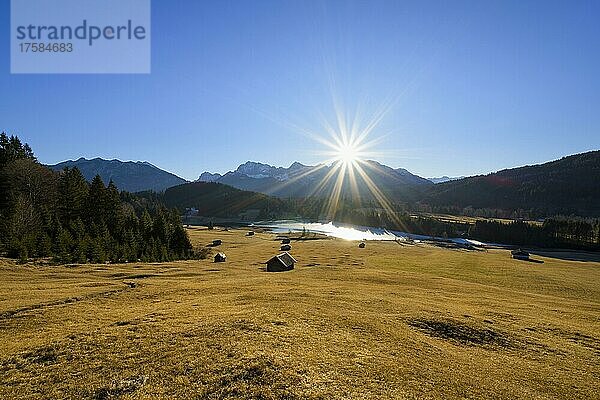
x,y
387,321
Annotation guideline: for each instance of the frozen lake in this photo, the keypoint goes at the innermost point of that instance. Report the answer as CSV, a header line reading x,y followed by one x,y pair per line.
x,y
353,232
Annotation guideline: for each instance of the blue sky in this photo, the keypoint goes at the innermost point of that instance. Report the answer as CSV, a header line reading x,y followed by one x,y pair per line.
x,y
475,87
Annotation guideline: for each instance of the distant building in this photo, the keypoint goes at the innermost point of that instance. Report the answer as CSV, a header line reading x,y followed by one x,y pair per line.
x,y
286,247
285,241
280,263
520,254
361,245
250,233
220,257
217,242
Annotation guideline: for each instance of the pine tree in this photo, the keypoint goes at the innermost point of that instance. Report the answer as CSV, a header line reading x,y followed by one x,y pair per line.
x,y
113,207
44,245
63,251
80,241
73,195
96,204
97,253
146,225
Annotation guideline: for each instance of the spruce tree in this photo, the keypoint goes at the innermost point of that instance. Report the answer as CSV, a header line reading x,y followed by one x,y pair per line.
x,y
73,195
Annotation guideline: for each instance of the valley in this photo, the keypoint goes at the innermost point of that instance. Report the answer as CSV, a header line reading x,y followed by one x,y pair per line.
x,y
386,321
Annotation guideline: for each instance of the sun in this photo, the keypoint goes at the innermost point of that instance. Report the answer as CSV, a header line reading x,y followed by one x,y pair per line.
x,y
347,168
347,154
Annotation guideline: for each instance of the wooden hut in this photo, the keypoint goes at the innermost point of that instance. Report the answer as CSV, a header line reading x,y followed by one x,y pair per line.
x,y
520,254
286,247
285,241
220,257
281,262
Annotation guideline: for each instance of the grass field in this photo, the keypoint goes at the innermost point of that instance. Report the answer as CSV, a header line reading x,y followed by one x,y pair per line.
x,y
386,321
463,219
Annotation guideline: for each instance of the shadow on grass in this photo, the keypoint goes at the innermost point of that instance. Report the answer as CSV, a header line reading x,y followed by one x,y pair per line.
x,y
533,260
461,333
120,388
252,378
569,255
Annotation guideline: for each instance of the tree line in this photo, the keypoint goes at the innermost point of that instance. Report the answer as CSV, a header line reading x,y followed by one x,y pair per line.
x,y
60,215
557,232
371,213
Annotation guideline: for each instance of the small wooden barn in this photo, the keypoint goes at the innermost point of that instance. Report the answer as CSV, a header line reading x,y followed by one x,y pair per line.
x,y
286,247
281,262
220,257
520,254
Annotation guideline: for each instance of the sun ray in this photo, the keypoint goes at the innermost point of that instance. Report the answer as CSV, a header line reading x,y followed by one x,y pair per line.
x,y
283,184
334,198
354,184
348,143
324,181
381,198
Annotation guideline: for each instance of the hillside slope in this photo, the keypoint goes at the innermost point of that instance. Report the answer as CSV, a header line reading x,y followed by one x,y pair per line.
x,y
218,200
570,185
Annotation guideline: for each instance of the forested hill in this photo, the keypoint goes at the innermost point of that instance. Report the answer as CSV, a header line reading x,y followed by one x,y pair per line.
x,y
218,200
59,215
567,186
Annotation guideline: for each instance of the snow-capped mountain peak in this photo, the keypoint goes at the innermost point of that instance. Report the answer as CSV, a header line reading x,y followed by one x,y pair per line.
x,y
299,180
258,170
208,177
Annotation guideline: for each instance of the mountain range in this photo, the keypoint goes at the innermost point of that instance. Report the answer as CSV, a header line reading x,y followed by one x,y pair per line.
x,y
566,186
299,180
445,178
132,176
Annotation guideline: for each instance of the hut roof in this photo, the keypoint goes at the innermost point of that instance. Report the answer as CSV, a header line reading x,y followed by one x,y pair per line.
x,y
285,259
